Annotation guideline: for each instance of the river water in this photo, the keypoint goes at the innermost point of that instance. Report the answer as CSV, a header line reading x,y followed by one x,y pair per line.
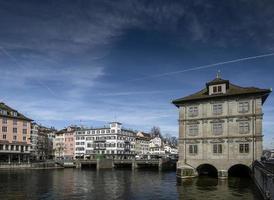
x,y
73,184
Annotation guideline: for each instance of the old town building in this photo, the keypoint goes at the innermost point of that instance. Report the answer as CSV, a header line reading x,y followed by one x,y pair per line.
x,y
142,143
220,127
110,142
14,135
64,143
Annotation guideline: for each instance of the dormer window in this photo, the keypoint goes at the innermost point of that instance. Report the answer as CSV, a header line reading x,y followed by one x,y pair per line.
x,y
217,89
3,112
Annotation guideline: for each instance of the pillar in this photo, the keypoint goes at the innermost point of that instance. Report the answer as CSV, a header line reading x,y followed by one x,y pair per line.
x,y
19,161
186,171
97,163
222,174
9,158
28,158
160,165
134,165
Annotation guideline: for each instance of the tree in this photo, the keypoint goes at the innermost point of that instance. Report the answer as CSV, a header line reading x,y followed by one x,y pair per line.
x,y
59,148
155,131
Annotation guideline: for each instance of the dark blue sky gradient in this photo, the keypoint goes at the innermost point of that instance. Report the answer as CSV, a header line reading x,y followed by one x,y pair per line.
x,y
91,62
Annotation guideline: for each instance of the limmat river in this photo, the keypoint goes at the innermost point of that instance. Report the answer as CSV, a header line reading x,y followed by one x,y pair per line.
x,y
77,184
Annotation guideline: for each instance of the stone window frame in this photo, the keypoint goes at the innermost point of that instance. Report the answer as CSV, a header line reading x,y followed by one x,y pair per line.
x,y
217,148
193,129
244,148
217,128
244,127
243,106
217,108
193,111
193,149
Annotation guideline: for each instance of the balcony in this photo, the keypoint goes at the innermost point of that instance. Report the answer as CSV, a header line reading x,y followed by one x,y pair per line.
x,y
99,148
100,140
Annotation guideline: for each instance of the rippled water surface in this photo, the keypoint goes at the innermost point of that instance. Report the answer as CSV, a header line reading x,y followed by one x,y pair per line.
x,y
117,184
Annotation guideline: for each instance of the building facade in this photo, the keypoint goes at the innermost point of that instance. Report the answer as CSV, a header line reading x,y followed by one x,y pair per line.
x,y
220,126
64,143
14,135
142,144
45,143
34,140
156,146
112,142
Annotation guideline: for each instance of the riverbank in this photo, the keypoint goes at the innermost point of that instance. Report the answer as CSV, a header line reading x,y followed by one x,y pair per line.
x,y
36,165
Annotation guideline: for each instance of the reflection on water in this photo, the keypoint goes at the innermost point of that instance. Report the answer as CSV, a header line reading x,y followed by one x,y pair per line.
x,y
117,184
213,188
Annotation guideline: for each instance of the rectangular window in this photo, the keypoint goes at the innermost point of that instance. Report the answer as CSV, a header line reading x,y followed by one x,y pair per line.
x,y
217,109
193,149
24,138
4,137
217,148
14,130
4,121
193,111
244,127
24,131
217,128
219,88
14,121
193,129
14,137
4,129
244,148
3,112
25,123
243,106
215,89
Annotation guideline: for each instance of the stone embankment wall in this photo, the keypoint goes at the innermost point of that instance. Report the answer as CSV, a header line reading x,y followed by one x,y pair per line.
x,y
263,174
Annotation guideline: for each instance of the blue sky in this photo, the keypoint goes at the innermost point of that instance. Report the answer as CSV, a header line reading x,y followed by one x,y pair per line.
x,y
91,62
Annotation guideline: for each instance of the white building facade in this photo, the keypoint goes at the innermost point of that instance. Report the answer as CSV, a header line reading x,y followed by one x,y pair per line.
x,y
113,142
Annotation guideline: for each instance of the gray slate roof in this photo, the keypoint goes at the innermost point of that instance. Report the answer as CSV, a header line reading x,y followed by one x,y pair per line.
x,y
232,90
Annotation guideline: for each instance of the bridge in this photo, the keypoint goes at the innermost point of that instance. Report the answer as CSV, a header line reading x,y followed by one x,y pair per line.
x,y
160,164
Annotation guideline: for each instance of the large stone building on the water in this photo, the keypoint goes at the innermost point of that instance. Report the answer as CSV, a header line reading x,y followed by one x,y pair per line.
x,y
220,128
14,135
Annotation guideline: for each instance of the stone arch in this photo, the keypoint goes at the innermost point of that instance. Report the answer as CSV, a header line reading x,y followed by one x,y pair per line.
x,y
239,170
207,169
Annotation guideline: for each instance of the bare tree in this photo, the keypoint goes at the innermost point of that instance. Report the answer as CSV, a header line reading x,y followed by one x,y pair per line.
x,y
59,148
155,131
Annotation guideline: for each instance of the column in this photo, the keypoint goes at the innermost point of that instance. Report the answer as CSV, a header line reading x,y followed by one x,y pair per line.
x,y
222,174
9,159
19,161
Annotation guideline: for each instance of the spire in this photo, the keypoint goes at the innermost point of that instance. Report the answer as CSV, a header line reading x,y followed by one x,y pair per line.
x,y
218,75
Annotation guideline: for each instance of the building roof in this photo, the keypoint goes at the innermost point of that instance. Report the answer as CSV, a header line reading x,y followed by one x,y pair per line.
x,y
10,112
231,90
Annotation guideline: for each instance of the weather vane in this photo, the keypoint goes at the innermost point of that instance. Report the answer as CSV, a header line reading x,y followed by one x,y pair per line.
x,y
218,74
